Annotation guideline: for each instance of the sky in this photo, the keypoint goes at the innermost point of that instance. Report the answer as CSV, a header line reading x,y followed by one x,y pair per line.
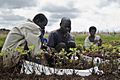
x,y
104,14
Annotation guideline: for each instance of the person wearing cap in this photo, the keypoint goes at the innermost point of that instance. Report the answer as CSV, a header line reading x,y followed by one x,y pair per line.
x,y
92,38
24,35
61,38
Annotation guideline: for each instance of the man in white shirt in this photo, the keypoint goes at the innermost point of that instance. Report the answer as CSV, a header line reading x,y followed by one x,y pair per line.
x,y
92,38
24,35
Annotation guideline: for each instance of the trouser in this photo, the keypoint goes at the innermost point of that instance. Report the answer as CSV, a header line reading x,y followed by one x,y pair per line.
x,y
1,63
11,62
14,69
0,49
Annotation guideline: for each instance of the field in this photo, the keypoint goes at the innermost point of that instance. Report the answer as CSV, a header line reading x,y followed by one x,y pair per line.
x,y
79,38
110,51
2,39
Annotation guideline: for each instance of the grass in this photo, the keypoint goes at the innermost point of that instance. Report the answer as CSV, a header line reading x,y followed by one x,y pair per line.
x,y
2,39
79,38
110,38
105,38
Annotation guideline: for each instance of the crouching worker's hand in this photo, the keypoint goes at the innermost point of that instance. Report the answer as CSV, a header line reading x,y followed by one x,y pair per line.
x,y
71,44
60,46
44,43
44,47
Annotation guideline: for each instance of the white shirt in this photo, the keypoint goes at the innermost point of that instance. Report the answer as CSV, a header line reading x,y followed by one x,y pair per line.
x,y
28,31
87,42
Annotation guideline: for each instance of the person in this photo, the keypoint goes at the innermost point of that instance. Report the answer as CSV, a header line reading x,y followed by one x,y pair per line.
x,y
92,38
61,38
24,35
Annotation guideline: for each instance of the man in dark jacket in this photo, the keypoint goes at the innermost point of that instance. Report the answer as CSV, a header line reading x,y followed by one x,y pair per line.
x,y
61,38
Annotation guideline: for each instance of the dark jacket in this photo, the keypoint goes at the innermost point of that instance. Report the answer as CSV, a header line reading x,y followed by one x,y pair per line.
x,y
57,37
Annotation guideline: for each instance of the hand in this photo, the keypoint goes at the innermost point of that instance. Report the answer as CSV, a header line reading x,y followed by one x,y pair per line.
x,y
98,42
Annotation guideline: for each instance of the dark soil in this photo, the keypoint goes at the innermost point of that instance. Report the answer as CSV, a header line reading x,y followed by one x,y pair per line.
x,y
56,77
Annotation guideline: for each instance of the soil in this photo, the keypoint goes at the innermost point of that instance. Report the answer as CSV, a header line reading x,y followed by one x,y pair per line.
x,y
5,76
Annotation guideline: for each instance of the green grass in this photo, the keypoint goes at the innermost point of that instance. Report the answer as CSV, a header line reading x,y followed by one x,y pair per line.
x,y
110,38
79,38
105,38
2,39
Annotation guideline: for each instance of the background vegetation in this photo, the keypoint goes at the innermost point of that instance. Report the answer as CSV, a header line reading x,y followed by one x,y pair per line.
x,y
79,37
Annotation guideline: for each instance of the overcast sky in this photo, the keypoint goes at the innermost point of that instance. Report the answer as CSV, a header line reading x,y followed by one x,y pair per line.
x,y
104,14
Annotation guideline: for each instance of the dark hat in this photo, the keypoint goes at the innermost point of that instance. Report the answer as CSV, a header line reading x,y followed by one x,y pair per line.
x,y
41,17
